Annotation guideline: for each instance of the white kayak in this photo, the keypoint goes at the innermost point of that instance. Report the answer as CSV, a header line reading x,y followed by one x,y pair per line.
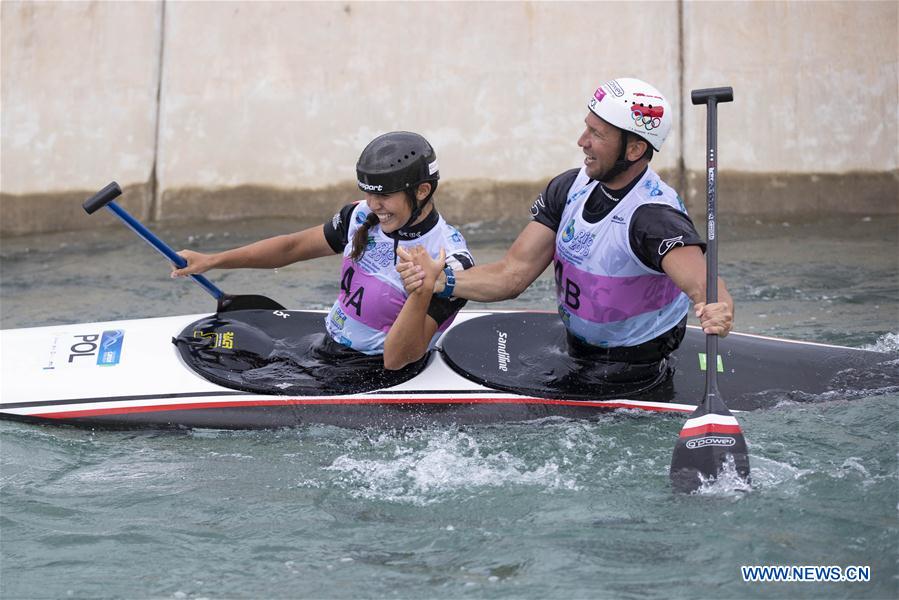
x,y
126,374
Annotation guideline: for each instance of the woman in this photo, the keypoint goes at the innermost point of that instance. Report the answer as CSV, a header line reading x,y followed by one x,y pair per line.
x,y
373,314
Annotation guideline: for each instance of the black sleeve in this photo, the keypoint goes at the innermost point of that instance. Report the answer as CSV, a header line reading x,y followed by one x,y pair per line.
x,y
547,209
337,230
441,309
656,229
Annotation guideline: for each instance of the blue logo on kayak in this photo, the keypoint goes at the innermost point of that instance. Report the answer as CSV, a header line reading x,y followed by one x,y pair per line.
x,y
110,348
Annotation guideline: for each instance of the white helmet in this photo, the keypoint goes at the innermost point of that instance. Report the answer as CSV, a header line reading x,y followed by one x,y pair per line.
x,y
635,106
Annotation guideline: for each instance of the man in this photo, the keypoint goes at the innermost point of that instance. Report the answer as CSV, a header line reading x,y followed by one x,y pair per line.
x,y
628,261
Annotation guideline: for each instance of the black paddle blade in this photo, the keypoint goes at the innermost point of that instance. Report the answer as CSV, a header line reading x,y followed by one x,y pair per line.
x,y
246,302
709,436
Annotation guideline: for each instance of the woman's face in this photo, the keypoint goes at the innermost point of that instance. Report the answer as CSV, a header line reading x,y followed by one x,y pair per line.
x,y
393,210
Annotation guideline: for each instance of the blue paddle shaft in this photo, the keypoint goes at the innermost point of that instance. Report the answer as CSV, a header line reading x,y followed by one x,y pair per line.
x,y
161,247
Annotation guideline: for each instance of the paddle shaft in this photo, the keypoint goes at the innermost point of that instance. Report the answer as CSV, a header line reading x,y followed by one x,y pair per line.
x,y
711,97
711,436
105,199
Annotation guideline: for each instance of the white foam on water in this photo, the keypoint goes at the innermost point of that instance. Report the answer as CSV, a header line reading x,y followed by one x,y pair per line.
x,y
854,468
770,473
889,342
236,455
788,479
214,434
401,470
767,474
728,484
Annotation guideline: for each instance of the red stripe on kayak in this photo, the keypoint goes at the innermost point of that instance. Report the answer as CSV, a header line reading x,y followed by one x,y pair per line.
x,y
349,401
709,428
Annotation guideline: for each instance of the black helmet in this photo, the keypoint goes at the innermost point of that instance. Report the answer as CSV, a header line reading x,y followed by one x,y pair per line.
x,y
396,161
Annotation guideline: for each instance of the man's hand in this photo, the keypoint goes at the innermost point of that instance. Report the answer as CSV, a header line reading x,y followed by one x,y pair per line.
x,y
716,318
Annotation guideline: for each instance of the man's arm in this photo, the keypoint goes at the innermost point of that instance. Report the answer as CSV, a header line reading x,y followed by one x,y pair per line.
x,y
686,267
506,278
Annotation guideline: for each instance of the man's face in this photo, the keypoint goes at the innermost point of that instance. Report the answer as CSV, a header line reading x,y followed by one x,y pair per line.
x,y
601,143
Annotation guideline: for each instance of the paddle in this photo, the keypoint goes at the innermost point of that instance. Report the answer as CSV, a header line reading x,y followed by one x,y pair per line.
x,y
226,302
711,433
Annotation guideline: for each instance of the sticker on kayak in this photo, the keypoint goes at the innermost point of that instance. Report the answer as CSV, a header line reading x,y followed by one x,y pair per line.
x,y
110,348
86,349
221,339
702,363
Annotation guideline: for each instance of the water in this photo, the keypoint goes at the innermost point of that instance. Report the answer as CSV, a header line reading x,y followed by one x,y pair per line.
x,y
554,509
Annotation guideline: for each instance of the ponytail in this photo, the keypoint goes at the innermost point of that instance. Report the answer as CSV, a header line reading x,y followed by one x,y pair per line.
x,y
360,239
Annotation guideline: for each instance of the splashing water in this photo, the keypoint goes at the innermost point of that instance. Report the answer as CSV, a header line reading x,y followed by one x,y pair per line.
x,y
448,463
888,343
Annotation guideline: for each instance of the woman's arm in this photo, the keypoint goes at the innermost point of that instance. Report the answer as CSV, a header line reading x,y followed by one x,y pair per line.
x,y
408,338
270,253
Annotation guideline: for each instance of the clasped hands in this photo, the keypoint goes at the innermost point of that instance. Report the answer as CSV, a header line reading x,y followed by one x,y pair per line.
x,y
418,270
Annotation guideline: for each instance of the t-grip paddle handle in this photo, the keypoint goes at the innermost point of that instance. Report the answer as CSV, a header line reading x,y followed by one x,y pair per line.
x,y
105,198
720,94
102,198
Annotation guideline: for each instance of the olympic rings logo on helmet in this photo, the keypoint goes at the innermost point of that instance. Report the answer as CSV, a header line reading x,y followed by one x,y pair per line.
x,y
645,113
645,120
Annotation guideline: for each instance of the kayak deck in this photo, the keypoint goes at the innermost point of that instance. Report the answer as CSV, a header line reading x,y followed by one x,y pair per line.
x,y
128,374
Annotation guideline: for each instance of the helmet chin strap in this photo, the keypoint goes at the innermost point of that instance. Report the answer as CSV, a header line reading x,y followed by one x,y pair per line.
x,y
417,209
416,212
621,165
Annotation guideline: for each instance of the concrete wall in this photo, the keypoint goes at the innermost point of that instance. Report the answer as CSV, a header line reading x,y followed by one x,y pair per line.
x,y
79,104
813,127
227,109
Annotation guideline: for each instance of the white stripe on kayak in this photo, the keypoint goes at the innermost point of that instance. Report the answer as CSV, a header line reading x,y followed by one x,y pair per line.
x,y
777,339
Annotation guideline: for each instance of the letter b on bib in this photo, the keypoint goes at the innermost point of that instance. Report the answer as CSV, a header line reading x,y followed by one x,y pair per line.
x,y
571,290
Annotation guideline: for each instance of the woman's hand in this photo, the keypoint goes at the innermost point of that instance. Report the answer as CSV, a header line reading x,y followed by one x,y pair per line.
x,y
411,274
411,333
197,263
